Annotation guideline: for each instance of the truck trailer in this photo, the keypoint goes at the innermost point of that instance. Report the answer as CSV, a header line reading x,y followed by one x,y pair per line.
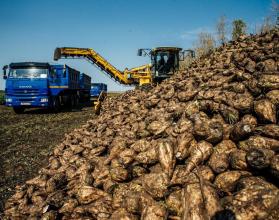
x,y
34,84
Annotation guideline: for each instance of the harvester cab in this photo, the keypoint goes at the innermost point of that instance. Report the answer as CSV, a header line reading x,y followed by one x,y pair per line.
x,y
164,60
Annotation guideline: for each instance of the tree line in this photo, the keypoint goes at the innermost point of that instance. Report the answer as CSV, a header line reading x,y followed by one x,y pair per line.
x,y
206,42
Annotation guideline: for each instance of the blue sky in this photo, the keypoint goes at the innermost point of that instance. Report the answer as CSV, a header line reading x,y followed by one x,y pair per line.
x,y
32,29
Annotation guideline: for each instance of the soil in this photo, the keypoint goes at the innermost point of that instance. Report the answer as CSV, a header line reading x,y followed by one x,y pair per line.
x,y
27,139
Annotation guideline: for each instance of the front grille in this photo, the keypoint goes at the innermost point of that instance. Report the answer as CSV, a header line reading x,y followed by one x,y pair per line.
x,y
25,92
26,99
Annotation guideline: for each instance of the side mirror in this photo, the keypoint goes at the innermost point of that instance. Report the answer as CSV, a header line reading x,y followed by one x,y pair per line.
x,y
144,52
5,71
139,52
181,56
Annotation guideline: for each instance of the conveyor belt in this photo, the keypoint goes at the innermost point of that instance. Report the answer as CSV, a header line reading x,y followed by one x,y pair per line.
x,y
95,58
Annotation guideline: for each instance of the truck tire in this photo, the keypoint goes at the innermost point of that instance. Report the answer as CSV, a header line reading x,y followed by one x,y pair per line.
x,y
68,102
18,110
55,104
76,97
72,101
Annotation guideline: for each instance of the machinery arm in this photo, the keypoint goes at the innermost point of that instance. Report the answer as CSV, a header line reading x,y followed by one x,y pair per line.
x,y
95,58
141,75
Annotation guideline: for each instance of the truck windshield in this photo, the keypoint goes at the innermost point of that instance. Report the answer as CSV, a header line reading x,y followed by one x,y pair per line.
x,y
165,62
28,73
94,86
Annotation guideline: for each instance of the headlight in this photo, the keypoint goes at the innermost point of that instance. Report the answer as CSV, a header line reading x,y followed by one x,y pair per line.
x,y
43,75
9,100
44,100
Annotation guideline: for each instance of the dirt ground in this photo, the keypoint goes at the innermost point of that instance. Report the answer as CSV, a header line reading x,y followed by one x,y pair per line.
x,y
27,139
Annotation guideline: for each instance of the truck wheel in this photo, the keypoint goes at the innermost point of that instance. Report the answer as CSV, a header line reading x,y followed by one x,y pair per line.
x,y
76,100
56,104
72,101
18,110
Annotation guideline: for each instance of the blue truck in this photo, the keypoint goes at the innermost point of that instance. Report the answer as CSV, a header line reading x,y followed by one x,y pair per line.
x,y
96,89
34,84
98,93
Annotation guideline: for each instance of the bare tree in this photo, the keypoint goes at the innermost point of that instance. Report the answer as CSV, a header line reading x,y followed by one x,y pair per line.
x,y
221,30
188,59
239,28
205,44
267,25
271,20
275,12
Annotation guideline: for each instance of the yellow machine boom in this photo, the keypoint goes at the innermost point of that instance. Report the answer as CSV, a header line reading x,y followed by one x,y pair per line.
x,y
135,76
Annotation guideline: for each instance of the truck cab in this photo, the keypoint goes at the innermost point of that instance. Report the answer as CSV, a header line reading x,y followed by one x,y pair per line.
x,y
34,84
26,85
98,93
97,89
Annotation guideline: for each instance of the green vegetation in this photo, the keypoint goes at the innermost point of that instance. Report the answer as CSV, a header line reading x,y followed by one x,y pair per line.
x,y
239,28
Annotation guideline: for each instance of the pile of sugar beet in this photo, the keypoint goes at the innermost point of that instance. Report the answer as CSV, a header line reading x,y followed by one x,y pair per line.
x,y
201,145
